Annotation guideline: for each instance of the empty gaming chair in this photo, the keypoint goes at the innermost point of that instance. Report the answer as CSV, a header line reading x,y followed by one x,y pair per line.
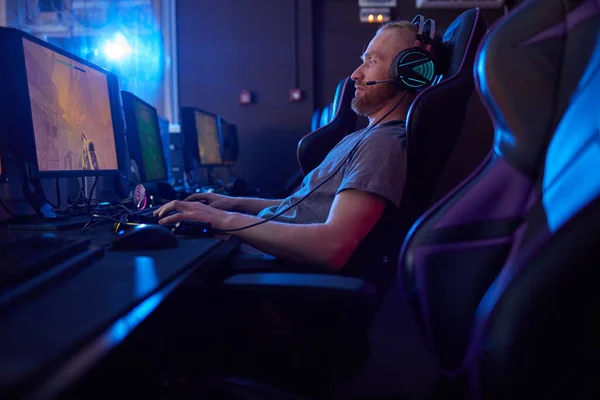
x,y
535,333
508,225
339,121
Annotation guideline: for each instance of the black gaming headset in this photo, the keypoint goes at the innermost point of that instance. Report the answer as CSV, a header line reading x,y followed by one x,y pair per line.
x,y
413,69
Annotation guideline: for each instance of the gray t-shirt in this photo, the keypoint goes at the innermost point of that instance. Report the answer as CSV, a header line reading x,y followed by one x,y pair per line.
x,y
377,165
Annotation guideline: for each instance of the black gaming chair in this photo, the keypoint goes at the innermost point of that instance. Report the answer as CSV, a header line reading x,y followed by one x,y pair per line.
x,y
327,132
500,227
535,333
434,124
314,147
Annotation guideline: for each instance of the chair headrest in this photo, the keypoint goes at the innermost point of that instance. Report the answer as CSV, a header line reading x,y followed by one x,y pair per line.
x,y
437,114
344,87
340,121
527,70
457,39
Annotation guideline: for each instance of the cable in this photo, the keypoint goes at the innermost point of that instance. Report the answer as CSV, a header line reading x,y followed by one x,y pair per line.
x,y
37,184
74,203
57,197
91,193
348,156
99,219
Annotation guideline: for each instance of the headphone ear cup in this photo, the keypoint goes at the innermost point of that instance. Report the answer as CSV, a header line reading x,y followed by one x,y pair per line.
x,y
413,70
394,66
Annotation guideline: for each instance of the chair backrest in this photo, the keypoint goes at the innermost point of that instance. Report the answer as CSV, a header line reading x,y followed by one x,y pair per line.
x,y
314,147
436,118
316,120
526,76
429,127
325,116
535,332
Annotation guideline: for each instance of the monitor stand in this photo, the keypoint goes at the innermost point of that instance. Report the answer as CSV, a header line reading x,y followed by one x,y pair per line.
x,y
160,190
44,213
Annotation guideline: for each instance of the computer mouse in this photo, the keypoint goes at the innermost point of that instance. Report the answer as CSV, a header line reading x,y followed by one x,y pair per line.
x,y
193,228
144,237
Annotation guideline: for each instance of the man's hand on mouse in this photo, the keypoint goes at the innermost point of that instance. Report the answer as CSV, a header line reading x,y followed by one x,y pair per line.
x,y
192,211
214,200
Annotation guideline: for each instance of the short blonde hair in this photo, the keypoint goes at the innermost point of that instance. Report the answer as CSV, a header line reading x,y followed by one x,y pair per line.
x,y
405,27
438,50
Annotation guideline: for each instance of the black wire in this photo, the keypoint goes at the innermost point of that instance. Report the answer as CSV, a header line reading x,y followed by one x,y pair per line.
x,y
43,195
57,196
74,203
129,210
91,193
348,156
99,219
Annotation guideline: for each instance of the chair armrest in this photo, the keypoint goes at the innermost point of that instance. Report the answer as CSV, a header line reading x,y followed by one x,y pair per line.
x,y
290,284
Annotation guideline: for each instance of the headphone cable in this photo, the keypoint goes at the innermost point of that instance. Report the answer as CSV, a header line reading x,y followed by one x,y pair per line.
x,y
348,156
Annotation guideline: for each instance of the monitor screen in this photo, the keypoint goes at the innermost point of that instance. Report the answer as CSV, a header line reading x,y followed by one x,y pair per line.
x,y
71,112
163,126
229,140
209,143
144,138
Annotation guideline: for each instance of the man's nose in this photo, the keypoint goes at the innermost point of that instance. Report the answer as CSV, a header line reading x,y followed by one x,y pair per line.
x,y
357,74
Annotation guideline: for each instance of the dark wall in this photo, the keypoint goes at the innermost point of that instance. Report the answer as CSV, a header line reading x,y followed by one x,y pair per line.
x,y
230,45
342,37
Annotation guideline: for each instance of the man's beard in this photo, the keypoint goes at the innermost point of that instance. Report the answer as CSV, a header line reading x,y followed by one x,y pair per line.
x,y
374,100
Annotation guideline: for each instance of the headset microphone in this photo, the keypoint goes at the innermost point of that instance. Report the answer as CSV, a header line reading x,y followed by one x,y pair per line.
x,y
370,83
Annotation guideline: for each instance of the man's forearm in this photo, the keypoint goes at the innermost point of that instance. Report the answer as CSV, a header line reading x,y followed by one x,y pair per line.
x,y
253,205
309,244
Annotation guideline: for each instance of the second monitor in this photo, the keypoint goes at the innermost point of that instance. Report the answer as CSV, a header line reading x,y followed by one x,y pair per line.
x,y
144,139
202,138
229,141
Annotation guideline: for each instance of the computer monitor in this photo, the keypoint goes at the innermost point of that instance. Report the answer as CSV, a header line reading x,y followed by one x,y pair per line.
x,y
165,134
202,138
229,141
62,113
144,139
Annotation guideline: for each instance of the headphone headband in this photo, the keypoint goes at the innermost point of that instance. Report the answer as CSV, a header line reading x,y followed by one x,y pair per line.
x,y
424,26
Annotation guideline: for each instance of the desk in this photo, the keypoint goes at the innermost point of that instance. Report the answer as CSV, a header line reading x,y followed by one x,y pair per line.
x,y
50,341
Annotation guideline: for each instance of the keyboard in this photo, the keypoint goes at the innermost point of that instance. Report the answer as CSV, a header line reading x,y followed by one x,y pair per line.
x,y
48,224
34,258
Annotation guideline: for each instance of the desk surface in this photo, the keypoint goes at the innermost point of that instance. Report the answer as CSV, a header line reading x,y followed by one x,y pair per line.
x,y
45,343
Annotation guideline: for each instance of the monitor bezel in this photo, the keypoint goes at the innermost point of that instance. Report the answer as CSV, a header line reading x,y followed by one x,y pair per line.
x,y
133,138
190,136
18,104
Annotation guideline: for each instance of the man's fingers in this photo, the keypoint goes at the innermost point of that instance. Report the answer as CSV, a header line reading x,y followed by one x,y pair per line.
x,y
174,205
171,219
197,197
